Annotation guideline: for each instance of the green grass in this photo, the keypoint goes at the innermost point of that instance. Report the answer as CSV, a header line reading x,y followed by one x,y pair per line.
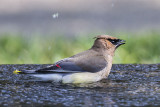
x,y
18,49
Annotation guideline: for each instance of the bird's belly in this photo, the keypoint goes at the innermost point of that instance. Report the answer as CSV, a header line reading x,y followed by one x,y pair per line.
x,y
81,78
85,77
49,77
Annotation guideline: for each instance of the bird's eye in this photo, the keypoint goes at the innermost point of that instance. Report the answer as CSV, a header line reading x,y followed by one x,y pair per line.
x,y
113,41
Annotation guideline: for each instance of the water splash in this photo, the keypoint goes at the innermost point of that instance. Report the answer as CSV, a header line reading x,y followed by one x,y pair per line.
x,y
55,15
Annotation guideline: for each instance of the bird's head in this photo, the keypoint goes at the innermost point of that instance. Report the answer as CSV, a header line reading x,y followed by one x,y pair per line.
x,y
107,42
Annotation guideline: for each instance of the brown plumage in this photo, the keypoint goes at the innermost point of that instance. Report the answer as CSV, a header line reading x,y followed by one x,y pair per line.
x,y
89,66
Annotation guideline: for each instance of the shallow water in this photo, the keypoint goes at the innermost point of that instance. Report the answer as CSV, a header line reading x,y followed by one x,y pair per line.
x,y
127,85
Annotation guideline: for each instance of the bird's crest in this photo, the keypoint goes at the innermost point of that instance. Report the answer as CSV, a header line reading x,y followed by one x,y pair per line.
x,y
104,37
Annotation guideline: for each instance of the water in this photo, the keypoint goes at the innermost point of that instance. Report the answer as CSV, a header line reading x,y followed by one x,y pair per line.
x,y
127,85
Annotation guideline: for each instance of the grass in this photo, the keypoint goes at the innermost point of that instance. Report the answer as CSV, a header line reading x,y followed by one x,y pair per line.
x,y
18,49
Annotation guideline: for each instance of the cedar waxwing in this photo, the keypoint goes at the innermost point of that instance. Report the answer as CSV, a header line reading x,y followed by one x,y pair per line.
x,y
89,66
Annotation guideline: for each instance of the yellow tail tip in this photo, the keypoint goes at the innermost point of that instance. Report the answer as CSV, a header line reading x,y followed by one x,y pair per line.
x,y
16,72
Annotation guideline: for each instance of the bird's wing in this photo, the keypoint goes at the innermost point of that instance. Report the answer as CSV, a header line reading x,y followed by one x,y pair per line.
x,y
83,62
63,66
91,61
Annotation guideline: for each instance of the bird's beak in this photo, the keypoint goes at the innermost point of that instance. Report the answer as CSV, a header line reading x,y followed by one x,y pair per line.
x,y
121,42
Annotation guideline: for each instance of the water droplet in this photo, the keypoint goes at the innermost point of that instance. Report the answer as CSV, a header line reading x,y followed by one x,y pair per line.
x,y
55,15
112,5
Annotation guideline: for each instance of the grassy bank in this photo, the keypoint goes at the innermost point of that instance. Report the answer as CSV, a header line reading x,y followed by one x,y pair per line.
x,y
17,49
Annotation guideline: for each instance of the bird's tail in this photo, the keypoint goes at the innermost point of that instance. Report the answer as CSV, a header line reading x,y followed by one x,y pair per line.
x,y
43,71
24,72
47,77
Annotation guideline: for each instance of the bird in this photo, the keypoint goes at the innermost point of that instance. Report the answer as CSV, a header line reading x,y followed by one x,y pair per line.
x,y
88,66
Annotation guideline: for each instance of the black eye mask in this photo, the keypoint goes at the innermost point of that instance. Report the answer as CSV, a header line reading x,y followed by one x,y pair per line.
x,y
114,41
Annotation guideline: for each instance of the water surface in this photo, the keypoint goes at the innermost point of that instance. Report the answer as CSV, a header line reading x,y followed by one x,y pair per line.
x,y
127,85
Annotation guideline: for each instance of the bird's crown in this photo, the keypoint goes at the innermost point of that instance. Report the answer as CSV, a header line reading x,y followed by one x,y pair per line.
x,y
105,37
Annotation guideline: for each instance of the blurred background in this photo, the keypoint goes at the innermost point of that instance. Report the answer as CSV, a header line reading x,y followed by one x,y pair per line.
x,y
45,31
